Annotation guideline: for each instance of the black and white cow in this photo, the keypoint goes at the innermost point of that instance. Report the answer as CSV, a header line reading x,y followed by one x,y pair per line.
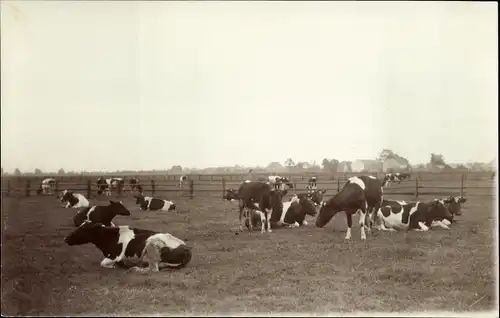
x,y
135,185
118,244
259,196
394,177
105,185
154,204
294,212
101,213
312,184
278,182
419,216
454,205
183,181
74,200
362,194
316,196
47,186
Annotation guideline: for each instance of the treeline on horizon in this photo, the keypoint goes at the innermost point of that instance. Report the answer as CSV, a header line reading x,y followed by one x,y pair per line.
x,y
436,164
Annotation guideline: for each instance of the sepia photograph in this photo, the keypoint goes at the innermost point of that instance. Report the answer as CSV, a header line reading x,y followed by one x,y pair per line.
x,y
249,158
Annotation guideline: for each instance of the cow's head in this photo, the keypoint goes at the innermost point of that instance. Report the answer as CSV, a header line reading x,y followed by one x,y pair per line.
x,y
316,196
326,213
66,196
231,194
307,206
437,211
85,233
287,182
170,204
139,199
118,208
455,204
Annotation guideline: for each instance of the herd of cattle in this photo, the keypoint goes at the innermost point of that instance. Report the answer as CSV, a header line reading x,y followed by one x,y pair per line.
x,y
261,205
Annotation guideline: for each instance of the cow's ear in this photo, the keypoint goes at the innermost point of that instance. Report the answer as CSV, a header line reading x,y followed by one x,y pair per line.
x,y
324,190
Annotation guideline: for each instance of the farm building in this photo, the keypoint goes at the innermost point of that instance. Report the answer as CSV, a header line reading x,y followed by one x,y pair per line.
x,y
394,164
344,166
366,165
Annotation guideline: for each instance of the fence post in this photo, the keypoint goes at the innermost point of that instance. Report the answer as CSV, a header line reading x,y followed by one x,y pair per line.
x,y
119,189
338,185
27,188
56,187
8,188
89,188
462,185
191,189
153,187
416,187
223,187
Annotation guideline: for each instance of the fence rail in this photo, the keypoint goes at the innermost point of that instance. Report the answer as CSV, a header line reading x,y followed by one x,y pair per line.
x,y
212,185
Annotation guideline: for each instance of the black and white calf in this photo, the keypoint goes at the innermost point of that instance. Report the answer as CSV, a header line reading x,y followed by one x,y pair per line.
x,y
312,184
74,200
419,216
278,182
183,181
47,186
394,177
362,194
120,243
101,213
259,196
154,204
294,212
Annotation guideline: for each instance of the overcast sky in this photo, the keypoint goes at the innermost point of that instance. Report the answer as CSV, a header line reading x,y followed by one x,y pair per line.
x,y
128,85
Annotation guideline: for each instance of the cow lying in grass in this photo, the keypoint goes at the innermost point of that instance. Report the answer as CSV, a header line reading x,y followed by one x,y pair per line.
x,y
419,216
74,200
101,213
154,204
120,243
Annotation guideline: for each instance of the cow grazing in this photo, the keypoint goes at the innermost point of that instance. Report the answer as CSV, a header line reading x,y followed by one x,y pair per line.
x,y
259,196
394,177
47,186
362,194
278,182
182,181
312,184
120,243
74,200
101,213
418,216
154,204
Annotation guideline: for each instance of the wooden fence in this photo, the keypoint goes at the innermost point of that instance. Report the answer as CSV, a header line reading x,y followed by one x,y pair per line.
x,y
436,185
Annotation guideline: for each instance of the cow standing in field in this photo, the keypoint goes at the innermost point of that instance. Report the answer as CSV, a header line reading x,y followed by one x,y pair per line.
x,y
120,243
419,216
394,177
259,196
101,213
255,216
183,181
135,185
312,184
363,194
106,185
47,186
279,183
154,204
74,200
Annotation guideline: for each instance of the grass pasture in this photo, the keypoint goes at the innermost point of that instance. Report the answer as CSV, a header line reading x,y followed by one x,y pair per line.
x,y
289,270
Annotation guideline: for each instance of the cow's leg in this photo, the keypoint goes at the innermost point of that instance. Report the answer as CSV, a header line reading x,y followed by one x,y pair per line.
x,y
362,221
268,219
68,205
422,227
304,223
382,227
440,224
241,216
248,217
108,263
349,225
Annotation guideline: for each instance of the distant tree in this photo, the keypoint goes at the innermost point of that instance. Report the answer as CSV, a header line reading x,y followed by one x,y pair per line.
x,y
437,159
331,166
176,169
289,163
61,171
389,154
17,172
38,171
274,167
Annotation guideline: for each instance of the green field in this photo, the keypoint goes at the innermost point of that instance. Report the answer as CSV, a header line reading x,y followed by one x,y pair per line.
x,y
289,270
